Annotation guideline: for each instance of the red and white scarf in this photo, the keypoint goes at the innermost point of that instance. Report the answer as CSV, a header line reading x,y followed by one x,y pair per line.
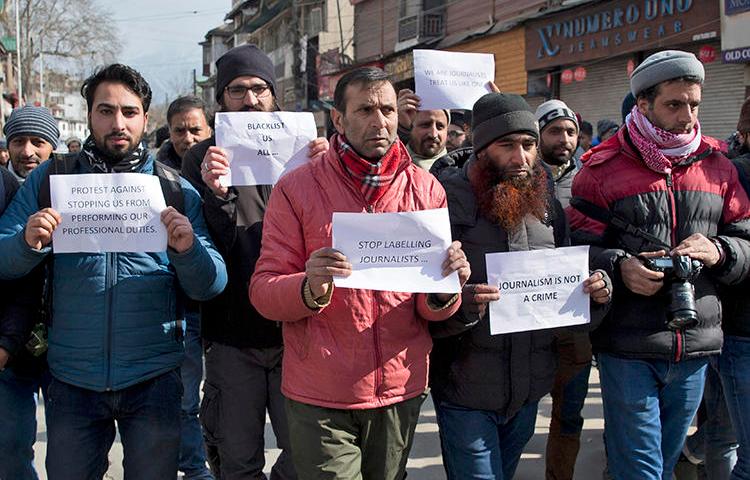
x,y
373,178
661,150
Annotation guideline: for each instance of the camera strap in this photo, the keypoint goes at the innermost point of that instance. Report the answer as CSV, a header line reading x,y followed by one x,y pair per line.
x,y
603,215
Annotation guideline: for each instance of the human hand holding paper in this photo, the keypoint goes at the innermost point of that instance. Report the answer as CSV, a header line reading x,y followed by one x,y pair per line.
x,y
456,262
408,104
39,228
215,165
596,287
321,267
317,148
476,296
179,230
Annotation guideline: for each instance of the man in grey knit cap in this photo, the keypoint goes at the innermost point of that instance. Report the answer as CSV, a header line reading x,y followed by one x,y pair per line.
x,y
32,135
659,189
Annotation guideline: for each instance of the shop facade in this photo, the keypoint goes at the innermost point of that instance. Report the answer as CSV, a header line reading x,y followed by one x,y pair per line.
x,y
585,56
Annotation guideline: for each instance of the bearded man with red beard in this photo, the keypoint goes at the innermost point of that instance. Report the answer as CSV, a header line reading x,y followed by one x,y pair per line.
x,y
486,387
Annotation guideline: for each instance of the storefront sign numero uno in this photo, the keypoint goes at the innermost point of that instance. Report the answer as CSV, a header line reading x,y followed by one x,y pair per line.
x,y
610,28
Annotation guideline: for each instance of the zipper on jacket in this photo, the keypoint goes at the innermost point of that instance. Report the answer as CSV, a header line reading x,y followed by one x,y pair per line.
x,y
673,215
109,282
376,341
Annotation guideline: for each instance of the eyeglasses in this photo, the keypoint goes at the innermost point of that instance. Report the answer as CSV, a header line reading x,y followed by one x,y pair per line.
x,y
238,92
455,133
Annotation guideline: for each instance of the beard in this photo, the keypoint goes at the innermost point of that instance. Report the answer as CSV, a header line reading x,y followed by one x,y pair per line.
x,y
550,157
506,201
114,155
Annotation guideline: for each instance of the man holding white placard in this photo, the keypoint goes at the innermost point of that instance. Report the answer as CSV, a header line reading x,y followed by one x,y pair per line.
x,y
115,335
243,349
356,365
487,387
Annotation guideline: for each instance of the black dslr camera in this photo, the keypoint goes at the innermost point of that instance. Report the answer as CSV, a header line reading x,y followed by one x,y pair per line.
x,y
679,273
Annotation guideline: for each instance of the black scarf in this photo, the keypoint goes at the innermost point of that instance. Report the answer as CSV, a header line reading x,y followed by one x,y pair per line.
x,y
100,163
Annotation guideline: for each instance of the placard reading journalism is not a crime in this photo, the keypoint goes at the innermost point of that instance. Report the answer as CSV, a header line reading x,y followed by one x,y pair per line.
x,y
397,252
112,212
538,289
263,146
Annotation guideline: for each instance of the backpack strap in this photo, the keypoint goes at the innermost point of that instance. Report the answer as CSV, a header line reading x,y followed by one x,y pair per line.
x,y
59,165
169,178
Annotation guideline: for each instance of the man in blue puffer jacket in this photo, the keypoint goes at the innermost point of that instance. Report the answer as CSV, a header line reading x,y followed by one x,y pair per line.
x,y
115,343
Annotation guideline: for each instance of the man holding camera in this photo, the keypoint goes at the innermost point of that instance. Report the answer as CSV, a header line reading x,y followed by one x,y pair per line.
x,y
659,189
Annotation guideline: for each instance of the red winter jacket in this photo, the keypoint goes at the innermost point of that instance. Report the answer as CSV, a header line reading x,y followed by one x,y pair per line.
x,y
702,195
368,348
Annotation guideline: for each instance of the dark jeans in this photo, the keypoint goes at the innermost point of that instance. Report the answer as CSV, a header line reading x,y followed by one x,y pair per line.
x,y
481,444
241,385
734,369
18,397
648,407
568,397
714,441
367,444
81,429
192,449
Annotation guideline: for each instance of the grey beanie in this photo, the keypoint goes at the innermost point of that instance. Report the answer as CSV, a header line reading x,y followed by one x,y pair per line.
x,y
32,121
551,110
248,60
663,66
498,114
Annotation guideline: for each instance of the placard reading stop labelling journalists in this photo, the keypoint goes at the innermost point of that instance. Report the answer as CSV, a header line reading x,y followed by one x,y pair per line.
x,y
451,79
112,212
263,146
398,252
538,289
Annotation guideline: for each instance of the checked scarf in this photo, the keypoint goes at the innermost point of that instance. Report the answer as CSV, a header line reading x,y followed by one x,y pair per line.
x,y
99,162
660,149
373,178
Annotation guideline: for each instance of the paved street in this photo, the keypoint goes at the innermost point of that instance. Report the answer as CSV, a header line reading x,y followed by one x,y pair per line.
x,y
425,460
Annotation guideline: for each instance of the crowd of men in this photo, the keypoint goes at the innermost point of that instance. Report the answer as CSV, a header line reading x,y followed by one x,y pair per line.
x,y
118,340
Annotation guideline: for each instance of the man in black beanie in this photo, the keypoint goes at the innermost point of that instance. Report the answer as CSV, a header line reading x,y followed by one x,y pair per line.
x,y
486,388
243,349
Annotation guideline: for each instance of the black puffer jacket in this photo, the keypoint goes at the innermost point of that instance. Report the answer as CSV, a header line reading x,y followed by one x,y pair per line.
x,y
469,366
235,225
735,299
702,195
20,305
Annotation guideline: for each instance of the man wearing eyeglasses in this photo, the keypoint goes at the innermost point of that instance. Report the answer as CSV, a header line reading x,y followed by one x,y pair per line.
x,y
243,349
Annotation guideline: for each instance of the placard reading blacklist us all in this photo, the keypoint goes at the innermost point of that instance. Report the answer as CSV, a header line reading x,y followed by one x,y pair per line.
x,y
451,79
112,212
398,252
263,146
538,289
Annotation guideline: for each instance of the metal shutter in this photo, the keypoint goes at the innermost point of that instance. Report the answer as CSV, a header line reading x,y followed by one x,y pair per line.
x,y
600,95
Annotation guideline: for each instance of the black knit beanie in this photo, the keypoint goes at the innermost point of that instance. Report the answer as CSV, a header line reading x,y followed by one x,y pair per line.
x,y
243,60
498,114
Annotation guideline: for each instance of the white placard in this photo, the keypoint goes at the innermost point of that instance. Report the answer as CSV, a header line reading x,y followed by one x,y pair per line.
x,y
538,289
108,212
397,252
263,146
451,79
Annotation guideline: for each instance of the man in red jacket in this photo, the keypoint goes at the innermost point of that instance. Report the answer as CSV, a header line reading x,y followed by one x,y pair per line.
x,y
355,369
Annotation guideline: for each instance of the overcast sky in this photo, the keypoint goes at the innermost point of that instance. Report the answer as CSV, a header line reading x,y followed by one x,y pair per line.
x,y
160,38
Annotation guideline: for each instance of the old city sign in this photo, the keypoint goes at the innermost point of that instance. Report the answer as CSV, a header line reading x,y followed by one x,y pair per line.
x,y
615,28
